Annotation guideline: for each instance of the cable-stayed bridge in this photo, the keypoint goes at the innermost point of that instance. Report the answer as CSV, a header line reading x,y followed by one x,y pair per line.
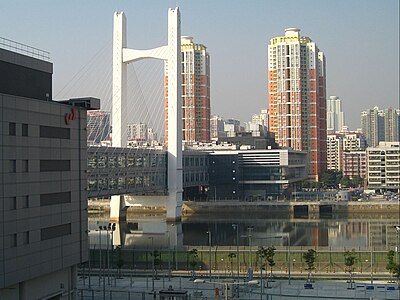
x,y
133,175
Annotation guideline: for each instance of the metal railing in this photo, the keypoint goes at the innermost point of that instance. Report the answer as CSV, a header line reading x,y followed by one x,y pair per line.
x,y
24,49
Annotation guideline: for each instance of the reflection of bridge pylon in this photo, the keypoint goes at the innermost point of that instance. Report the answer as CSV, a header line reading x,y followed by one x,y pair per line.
x,y
171,54
163,235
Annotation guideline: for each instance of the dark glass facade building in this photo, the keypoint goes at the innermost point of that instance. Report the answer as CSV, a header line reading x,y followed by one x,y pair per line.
x,y
254,175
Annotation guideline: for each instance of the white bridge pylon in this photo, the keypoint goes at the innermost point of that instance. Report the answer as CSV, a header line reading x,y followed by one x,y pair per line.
x,y
171,54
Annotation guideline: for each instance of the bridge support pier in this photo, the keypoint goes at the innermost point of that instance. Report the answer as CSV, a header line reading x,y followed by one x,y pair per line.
x,y
171,54
117,208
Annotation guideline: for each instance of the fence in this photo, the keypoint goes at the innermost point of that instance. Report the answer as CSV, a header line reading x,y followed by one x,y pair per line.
x,y
230,261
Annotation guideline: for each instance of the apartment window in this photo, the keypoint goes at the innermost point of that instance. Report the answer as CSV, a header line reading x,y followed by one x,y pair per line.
x,y
24,129
12,128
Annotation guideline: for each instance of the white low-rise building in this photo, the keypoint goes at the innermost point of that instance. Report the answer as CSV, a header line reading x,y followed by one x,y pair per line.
x,y
383,171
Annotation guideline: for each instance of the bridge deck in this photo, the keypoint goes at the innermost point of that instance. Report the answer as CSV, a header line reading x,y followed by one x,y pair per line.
x,y
119,171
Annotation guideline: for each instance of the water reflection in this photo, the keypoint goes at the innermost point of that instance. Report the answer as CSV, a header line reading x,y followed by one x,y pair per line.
x,y
146,232
360,231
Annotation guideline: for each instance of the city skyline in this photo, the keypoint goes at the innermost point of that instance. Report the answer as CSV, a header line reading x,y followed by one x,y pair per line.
x,y
359,38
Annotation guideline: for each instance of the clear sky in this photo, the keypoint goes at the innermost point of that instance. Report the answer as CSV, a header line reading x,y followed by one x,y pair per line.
x,y
360,39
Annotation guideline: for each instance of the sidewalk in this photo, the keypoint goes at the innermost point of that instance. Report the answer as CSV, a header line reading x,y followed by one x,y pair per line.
x,y
141,288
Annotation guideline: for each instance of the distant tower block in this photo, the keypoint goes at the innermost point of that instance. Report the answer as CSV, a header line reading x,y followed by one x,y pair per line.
x,y
171,54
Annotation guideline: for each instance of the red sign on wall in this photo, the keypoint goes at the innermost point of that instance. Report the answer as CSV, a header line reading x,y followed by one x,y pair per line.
x,y
70,116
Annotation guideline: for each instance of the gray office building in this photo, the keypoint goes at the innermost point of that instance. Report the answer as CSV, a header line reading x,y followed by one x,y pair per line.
x,y
43,197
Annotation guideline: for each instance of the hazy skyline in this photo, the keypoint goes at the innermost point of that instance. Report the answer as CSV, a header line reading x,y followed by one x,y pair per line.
x,y
360,40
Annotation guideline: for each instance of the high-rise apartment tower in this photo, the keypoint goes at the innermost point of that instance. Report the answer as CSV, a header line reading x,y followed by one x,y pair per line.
x,y
195,92
297,96
334,115
380,125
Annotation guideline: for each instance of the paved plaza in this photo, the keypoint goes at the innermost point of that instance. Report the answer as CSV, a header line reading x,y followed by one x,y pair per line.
x,y
142,288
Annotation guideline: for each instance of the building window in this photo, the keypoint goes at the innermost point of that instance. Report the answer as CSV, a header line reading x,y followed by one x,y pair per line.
x,y
25,166
55,231
25,202
54,165
12,166
55,198
12,128
24,129
25,238
54,132
13,203
13,240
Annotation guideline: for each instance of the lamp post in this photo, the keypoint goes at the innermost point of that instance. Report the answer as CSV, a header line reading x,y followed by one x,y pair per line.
x,y
110,228
372,265
152,262
169,256
209,252
99,254
108,256
250,270
236,226
104,281
287,235
397,227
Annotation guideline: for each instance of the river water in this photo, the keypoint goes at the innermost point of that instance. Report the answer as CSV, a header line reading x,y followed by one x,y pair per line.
x,y
359,231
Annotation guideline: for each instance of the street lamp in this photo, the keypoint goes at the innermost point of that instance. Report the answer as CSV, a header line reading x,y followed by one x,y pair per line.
x,y
287,235
111,228
250,270
152,262
169,255
209,252
236,226
397,227
104,280
100,259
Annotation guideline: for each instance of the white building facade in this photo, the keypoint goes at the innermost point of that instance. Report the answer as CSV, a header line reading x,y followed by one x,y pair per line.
x,y
383,171
334,115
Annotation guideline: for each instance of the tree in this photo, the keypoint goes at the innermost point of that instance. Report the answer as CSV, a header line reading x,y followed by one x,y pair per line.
x,y
309,257
391,265
269,256
357,181
119,261
231,256
193,263
396,273
330,178
349,261
345,181
156,262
